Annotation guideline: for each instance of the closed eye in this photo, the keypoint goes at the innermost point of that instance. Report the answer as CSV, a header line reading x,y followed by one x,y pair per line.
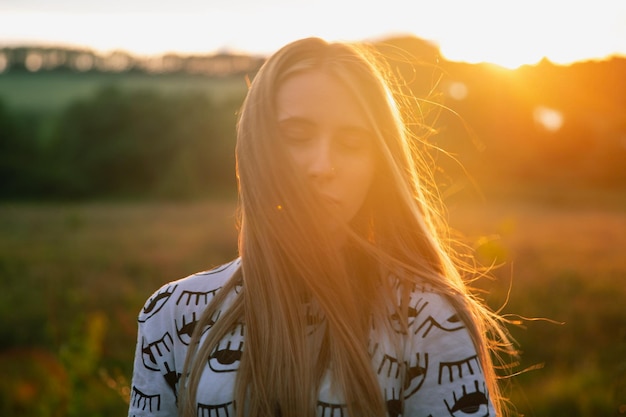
x,y
354,138
296,130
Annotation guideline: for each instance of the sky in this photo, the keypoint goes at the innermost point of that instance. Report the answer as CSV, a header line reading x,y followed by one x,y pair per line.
x,y
507,33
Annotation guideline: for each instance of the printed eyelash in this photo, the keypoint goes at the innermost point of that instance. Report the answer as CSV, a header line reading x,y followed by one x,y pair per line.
x,y
144,401
186,326
415,374
156,303
224,358
414,310
390,364
330,410
150,351
196,297
469,403
219,410
458,366
450,325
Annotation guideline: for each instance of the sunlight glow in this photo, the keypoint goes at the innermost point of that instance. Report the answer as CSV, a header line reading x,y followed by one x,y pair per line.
x,y
508,34
548,118
457,90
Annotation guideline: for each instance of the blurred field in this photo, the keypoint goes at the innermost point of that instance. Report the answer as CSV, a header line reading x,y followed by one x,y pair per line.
x,y
51,92
75,276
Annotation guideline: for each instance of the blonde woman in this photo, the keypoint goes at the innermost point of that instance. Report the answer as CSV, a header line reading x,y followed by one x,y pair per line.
x,y
346,299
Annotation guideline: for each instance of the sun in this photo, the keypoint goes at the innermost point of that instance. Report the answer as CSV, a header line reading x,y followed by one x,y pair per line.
x,y
511,34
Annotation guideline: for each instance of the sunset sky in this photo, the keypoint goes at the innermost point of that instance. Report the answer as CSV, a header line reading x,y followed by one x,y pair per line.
x,y
508,33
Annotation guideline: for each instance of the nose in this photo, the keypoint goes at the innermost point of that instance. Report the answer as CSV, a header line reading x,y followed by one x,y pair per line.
x,y
322,163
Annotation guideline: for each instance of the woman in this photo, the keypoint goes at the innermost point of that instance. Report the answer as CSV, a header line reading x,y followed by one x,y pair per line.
x,y
346,299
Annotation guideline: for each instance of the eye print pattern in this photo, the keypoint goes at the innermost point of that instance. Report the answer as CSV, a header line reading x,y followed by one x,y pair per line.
x,y
325,409
393,403
171,378
226,357
403,379
154,353
156,302
456,369
220,410
145,402
196,302
469,403
452,324
416,374
416,306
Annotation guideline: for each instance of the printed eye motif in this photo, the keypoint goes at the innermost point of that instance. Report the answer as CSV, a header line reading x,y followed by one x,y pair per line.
x,y
331,410
227,354
156,303
456,369
390,365
473,403
196,297
415,374
225,410
416,306
186,324
153,351
172,377
394,403
185,328
451,324
145,402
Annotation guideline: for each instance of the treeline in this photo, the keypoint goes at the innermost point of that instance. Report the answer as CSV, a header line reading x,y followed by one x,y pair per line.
x,y
544,124
123,144
58,59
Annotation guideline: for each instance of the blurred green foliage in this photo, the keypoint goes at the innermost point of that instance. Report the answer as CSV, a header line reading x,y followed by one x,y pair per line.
x,y
85,135
75,276
120,143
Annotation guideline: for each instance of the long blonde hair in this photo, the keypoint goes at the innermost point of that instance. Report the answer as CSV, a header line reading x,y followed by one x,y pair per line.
x,y
287,262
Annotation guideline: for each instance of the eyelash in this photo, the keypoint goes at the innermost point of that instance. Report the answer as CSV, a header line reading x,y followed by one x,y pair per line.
x,y
296,135
352,142
344,141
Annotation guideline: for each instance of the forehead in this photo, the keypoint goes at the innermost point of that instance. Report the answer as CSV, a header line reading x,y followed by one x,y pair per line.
x,y
320,97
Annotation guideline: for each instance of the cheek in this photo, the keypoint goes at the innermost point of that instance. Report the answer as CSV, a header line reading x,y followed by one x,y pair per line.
x,y
297,157
361,179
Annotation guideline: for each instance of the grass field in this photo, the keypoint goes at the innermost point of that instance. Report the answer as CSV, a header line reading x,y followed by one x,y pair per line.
x,y
76,275
51,92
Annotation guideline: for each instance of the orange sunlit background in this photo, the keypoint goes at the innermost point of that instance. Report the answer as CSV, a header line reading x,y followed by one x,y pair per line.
x,y
117,173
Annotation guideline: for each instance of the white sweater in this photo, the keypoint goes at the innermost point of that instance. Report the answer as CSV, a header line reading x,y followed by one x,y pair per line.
x,y
443,375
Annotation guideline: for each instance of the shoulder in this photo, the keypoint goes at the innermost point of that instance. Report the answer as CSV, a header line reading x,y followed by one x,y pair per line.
x,y
431,311
446,374
196,289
